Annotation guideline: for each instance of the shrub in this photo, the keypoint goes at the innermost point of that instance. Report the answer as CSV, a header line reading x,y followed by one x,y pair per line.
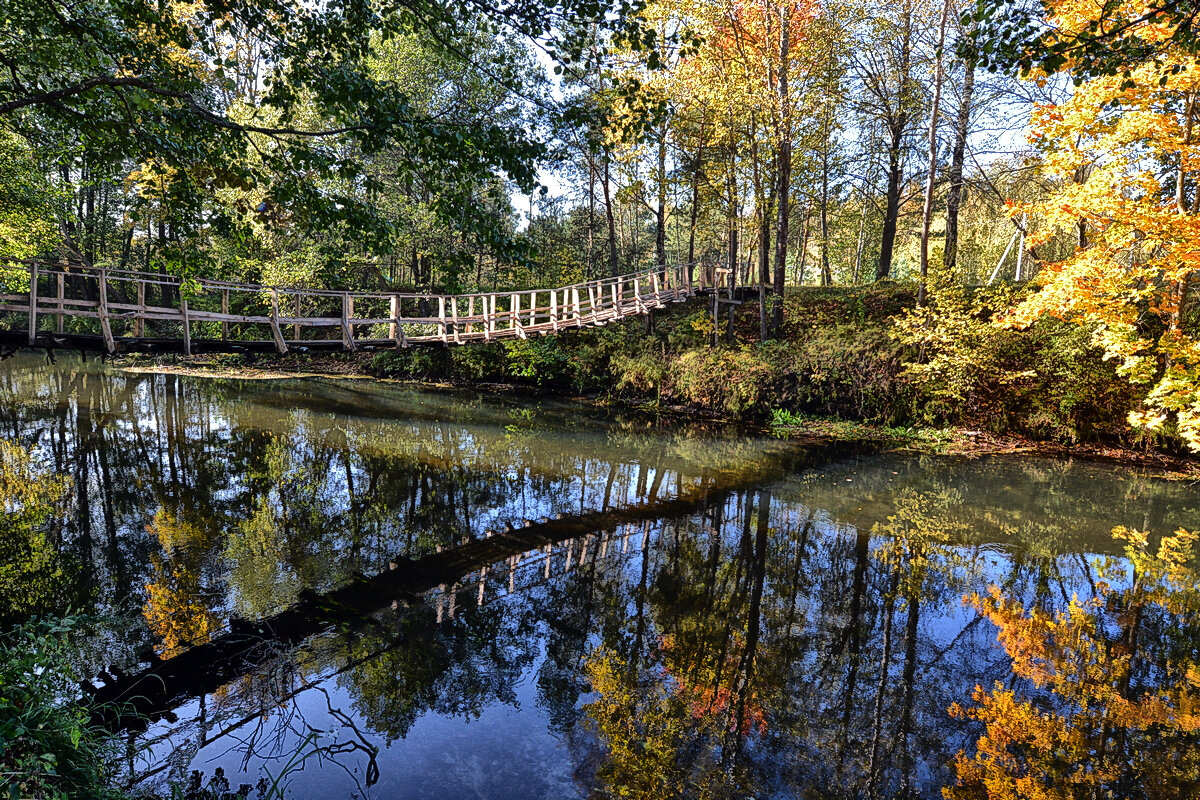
x,y
1048,381
48,746
412,362
487,361
542,360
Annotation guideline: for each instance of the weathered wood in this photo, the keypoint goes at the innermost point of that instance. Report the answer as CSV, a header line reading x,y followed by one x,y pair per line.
x,y
607,300
347,313
187,325
276,334
61,280
33,300
102,309
139,321
395,328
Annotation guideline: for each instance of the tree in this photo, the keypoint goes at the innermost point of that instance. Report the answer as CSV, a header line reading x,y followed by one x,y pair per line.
x,y
1016,36
274,99
1123,161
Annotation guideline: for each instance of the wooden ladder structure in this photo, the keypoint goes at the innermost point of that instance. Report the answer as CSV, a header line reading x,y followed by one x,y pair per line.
x,y
221,316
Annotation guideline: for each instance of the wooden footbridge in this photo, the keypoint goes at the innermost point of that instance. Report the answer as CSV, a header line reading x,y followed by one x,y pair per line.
x,y
89,307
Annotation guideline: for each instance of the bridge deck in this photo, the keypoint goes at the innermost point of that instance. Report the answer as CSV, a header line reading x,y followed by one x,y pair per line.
x,y
61,302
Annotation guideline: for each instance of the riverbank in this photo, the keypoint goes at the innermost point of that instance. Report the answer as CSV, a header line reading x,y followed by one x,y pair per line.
x,y
954,440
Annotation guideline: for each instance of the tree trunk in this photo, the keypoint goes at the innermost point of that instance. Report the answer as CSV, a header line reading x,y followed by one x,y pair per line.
x,y
660,216
931,177
826,273
783,193
614,270
955,195
891,210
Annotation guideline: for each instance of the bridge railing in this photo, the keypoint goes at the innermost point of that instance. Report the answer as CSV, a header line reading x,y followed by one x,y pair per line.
x,y
53,295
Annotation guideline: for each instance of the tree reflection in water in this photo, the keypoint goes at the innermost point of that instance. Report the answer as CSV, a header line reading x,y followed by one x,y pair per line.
x,y
801,635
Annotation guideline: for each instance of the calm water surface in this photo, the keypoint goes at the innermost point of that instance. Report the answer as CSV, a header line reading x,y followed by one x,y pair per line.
x,y
372,590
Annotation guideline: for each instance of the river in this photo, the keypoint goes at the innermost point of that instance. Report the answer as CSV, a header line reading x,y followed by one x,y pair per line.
x,y
348,588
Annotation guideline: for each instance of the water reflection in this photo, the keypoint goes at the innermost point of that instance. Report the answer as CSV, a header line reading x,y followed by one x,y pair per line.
x,y
416,595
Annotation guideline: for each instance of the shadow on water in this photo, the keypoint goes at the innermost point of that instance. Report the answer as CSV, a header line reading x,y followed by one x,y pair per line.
x,y
369,588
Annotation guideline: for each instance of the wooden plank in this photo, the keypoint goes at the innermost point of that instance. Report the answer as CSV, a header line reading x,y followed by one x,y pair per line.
x,y
33,299
105,328
139,322
276,334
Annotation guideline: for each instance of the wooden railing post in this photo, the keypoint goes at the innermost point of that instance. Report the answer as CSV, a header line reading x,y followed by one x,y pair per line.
x,y
554,309
276,333
33,299
454,316
61,280
225,310
296,314
442,316
187,325
139,320
347,311
102,309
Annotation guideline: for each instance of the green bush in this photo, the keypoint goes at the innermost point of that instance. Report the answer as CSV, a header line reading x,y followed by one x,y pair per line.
x,y
1048,381
412,362
48,746
542,360
731,380
479,362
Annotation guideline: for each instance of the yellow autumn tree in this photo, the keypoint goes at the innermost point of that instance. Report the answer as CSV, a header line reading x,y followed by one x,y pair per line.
x,y
177,607
1124,156
1108,701
32,574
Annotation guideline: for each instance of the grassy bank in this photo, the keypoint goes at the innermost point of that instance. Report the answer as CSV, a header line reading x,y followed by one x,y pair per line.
x,y
845,355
